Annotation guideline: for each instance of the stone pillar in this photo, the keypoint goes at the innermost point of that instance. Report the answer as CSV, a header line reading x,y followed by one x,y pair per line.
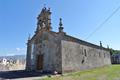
x,y
28,56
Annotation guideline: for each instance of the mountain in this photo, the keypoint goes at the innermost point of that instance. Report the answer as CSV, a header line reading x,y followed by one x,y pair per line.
x,y
14,57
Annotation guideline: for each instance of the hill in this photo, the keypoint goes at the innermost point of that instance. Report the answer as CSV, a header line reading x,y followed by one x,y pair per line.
x,y
15,57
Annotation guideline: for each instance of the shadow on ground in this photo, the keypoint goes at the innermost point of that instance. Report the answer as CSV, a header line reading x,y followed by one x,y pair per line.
x,y
21,74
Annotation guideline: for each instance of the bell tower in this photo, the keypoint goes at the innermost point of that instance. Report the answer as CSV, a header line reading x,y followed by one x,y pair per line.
x,y
44,20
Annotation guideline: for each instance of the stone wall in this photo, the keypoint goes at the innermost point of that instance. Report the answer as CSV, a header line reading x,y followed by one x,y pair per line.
x,y
51,50
80,57
48,44
63,53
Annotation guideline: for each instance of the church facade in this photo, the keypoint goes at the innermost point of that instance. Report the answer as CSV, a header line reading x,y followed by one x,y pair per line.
x,y
56,51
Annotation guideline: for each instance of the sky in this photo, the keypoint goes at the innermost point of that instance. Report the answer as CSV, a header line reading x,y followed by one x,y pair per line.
x,y
80,18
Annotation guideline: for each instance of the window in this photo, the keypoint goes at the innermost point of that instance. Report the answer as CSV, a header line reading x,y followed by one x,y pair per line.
x,y
104,55
83,60
85,52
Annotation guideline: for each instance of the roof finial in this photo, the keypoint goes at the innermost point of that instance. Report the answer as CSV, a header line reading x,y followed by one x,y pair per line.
x,y
100,44
44,7
60,26
49,9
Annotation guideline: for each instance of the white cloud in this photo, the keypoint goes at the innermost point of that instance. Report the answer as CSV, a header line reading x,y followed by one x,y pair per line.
x,y
18,49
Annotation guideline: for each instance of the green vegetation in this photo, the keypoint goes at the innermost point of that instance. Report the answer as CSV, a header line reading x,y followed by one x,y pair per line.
x,y
112,51
104,73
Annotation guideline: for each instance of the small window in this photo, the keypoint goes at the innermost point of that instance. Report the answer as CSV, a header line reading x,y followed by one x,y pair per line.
x,y
83,60
104,55
85,52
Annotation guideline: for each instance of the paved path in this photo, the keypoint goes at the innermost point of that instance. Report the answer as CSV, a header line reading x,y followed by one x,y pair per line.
x,y
22,75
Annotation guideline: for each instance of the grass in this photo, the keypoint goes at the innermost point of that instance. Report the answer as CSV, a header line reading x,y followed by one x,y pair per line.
x,y
111,72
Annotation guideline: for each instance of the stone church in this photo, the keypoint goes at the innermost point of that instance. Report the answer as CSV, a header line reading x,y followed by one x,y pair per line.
x,y
56,51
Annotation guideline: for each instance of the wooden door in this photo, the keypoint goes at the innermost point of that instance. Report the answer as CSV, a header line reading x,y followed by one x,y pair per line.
x,y
40,62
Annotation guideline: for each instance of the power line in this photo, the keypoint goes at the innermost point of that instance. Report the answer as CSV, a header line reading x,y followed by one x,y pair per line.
x,y
101,25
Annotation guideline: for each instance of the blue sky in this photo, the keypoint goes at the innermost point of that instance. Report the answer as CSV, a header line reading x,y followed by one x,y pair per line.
x,y
80,18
